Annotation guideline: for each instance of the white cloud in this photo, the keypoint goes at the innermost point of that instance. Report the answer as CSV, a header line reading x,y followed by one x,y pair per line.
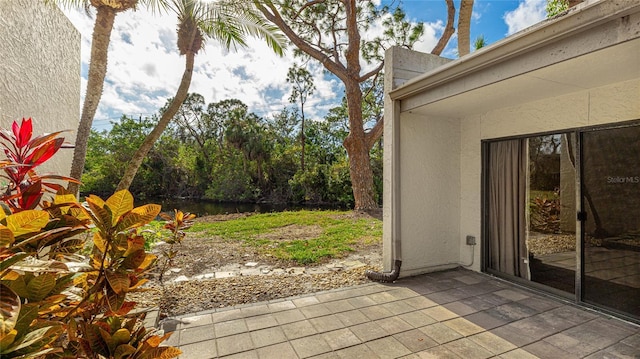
x,y
529,12
145,68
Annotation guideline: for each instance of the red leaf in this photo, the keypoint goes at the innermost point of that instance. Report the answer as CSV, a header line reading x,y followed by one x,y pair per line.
x,y
44,152
31,196
23,132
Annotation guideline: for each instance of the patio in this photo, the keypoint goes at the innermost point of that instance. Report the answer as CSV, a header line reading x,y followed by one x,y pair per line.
x,y
451,314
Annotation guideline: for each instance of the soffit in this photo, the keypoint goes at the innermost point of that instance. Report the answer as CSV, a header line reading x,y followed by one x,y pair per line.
x,y
610,65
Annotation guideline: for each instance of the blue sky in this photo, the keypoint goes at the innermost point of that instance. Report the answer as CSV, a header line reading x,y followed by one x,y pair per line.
x,y
145,68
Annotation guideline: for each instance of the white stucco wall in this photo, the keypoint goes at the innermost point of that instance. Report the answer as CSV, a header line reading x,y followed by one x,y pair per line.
x,y
430,209
555,77
40,71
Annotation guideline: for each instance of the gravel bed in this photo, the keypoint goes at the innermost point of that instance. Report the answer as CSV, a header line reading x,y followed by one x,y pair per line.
x,y
197,295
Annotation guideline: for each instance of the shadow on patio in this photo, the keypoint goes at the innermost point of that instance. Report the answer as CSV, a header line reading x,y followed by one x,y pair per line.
x,y
450,314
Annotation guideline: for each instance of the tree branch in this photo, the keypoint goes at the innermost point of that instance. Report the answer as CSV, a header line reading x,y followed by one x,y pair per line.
x,y
448,30
374,134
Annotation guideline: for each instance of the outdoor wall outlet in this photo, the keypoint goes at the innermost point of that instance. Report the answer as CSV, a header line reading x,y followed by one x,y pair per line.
x,y
471,240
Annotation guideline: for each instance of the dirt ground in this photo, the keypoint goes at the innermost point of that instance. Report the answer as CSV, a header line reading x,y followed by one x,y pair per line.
x,y
199,255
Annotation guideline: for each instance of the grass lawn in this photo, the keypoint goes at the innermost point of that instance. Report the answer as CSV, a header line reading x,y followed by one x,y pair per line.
x,y
303,236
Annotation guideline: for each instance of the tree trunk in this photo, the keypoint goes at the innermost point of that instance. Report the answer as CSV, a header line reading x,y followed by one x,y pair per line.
x,y
302,138
95,82
464,27
150,140
358,148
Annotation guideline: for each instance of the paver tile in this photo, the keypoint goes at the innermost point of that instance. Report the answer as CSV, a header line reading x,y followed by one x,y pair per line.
x,y
261,322
438,352
388,347
420,302
200,350
513,294
415,340
341,338
439,313
305,301
417,319
234,344
544,349
326,323
599,333
310,346
623,351
440,333
352,317
277,351
463,326
398,307
357,352
230,327
468,349
280,306
225,315
315,310
518,354
254,310
361,302
298,329
266,337
196,334
492,342
394,325
376,312
368,331
488,319
571,345
288,316
341,305
251,354
460,308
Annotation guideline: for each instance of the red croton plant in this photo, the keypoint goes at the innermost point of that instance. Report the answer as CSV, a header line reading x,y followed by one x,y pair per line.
x,y
56,302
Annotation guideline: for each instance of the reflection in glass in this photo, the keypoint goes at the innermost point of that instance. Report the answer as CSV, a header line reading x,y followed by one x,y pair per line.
x,y
611,197
551,224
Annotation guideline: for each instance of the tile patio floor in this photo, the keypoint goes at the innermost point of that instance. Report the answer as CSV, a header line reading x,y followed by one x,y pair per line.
x,y
450,314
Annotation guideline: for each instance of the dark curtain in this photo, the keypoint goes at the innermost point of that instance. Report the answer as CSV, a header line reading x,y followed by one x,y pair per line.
x,y
507,195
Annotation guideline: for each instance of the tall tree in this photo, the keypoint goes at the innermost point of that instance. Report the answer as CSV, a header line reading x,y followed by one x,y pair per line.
x,y
196,21
106,11
302,87
330,31
464,27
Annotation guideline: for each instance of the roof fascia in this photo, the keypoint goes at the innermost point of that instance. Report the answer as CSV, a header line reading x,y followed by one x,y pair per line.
x,y
576,20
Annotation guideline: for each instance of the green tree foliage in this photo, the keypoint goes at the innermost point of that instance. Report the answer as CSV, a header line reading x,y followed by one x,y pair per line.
x,y
223,152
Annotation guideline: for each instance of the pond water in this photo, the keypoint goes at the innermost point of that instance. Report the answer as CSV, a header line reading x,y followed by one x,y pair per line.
x,y
203,208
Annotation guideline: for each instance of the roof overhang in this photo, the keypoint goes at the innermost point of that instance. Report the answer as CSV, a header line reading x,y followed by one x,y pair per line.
x,y
592,45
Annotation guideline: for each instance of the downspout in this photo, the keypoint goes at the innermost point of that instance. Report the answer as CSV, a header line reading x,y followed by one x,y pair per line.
x,y
394,196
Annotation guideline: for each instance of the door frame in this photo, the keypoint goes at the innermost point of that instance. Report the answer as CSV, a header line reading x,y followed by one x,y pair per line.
x,y
578,296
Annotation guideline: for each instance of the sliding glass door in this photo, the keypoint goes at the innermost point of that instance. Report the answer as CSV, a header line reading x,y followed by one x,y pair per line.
x,y
611,226
562,210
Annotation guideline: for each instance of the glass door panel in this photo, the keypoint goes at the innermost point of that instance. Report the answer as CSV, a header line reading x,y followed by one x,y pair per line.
x,y
551,210
611,231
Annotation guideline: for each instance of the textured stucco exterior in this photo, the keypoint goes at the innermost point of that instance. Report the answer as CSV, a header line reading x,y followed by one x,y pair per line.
x,y
573,72
40,71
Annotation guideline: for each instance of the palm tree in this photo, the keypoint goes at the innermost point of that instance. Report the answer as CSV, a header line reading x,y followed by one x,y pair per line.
x,y
196,22
106,11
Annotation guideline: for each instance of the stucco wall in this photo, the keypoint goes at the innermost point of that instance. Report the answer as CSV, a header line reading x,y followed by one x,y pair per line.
x,y
430,184
40,71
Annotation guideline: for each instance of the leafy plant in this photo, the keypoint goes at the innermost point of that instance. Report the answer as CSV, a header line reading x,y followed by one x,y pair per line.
x,y
545,214
176,225
54,301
